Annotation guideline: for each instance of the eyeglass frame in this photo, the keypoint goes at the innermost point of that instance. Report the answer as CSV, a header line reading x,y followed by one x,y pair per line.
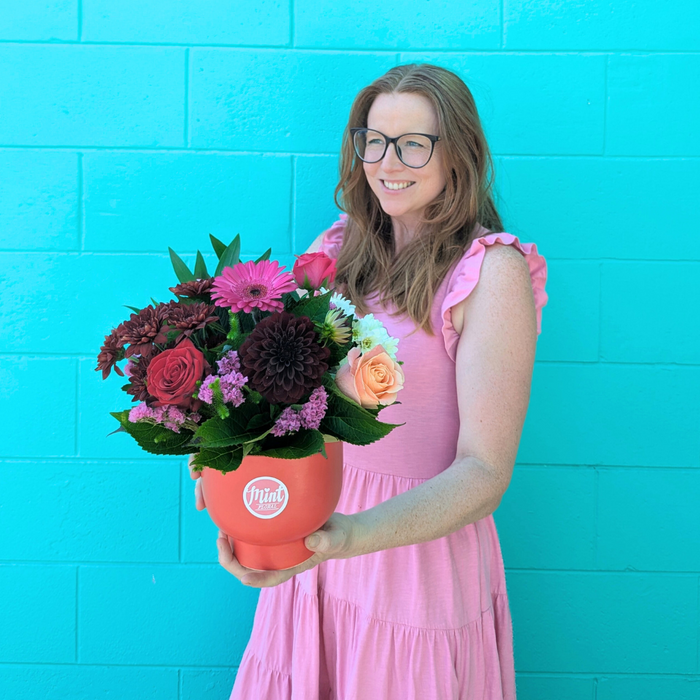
x,y
389,141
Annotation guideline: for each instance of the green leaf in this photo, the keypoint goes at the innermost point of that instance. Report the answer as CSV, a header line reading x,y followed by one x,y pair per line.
x,y
228,431
315,308
157,439
183,272
259,420
265,255
218,246
230,256
303,443
349,422
200,268
225,459
135,309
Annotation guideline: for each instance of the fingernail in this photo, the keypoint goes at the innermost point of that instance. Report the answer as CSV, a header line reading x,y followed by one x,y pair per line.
x,y
313,541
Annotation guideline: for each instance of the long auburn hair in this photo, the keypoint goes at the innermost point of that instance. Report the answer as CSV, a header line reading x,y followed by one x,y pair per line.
x,y
368,261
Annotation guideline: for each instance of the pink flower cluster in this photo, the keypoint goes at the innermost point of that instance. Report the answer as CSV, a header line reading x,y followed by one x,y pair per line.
x,y
230,379
169,416
229,363
309,417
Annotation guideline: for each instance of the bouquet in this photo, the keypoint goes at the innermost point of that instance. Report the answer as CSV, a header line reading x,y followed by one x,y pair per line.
x,y
254,360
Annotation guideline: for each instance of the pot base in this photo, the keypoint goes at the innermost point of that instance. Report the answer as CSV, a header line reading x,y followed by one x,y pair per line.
x,y
278,557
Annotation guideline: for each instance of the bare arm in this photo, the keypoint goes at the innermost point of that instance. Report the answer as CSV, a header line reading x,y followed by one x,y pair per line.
x,y
494,363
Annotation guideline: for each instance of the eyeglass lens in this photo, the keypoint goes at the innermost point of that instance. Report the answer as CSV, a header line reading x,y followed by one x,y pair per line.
x,y
413,149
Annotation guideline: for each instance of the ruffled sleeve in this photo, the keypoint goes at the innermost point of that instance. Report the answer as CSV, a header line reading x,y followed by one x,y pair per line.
x,y
466,274
333,238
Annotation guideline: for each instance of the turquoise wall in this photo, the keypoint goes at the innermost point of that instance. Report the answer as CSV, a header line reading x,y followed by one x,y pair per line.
x,y
127,127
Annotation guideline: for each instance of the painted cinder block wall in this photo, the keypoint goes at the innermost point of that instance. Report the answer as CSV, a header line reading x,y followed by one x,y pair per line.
x,y
127,127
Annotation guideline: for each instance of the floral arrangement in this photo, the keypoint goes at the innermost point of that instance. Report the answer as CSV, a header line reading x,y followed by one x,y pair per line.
x,y
254,360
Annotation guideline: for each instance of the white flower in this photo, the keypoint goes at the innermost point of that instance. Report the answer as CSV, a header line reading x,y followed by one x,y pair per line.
x,y
342,303
369,332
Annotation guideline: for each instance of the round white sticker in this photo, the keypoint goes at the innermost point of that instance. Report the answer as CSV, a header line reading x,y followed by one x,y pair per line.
x,y
265,497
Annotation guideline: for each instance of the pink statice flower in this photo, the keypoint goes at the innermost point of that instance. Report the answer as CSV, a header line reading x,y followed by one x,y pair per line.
x,y
288,422
309,417
140,412
206,393
170,417
313,411
229,362
250,285
231,385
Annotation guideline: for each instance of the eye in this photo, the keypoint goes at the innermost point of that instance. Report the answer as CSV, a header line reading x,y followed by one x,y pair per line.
x,y
414,144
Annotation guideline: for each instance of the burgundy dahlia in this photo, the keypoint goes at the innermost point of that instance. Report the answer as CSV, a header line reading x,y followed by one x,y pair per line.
x,y
282,358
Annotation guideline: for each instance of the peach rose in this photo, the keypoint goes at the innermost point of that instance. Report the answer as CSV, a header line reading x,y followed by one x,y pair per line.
x,y
370,379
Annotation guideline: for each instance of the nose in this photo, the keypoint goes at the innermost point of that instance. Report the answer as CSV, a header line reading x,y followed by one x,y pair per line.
x,y
391,159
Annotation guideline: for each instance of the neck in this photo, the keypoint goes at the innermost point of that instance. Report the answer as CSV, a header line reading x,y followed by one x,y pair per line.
x,y
404,230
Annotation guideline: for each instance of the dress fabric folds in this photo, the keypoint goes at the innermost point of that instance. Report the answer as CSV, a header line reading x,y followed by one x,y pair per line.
x,y
429,621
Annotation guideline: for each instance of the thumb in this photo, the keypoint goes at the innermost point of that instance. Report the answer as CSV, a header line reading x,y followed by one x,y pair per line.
x,y
318,542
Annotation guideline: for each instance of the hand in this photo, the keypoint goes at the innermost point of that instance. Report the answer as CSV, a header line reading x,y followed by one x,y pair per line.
x,y
198,495
336,541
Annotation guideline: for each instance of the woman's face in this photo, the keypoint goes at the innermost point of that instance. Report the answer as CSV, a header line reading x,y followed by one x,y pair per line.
x,y
395,114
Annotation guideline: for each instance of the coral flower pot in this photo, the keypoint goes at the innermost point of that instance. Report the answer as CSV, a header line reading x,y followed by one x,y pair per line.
x,y
268,506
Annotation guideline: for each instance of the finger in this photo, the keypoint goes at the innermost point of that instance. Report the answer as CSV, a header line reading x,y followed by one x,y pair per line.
x,y
265,579
190,464
199,496
227,558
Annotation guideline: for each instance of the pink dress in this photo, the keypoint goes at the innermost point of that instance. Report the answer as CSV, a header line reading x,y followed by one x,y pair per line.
x,y
428,621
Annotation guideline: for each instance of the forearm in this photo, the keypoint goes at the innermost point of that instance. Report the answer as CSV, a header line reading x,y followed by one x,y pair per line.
x,y
464,493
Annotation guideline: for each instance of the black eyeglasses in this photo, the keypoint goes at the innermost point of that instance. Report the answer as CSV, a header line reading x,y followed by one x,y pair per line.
x,y
413,150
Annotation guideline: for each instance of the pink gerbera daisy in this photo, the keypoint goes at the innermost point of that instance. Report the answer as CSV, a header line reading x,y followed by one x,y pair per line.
x,y
250,285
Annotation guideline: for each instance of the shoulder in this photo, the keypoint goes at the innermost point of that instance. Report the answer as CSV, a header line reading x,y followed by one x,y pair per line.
x,y
504,268
331,240
504,273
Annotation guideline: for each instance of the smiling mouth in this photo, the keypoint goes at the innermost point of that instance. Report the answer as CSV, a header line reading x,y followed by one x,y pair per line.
x,y
394,186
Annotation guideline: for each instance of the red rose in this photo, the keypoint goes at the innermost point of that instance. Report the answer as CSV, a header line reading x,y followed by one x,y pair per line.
x,y
314,270
171,376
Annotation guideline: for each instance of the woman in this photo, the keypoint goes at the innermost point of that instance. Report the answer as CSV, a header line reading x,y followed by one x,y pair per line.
x,y
405,597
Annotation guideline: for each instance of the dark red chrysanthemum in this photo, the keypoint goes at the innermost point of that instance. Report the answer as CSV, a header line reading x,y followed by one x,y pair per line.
x,y
282,358
144,329
189,317
137,375
195,288
110,353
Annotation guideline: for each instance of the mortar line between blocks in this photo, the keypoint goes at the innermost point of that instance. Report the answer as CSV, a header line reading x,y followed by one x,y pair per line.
x,y
292,205
697,629
76,416
186,137
77,598
596,491
605,103
80,214
382,50
80,20
292,28
502,22
140,149
179,513
600,310
179,684
595,688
